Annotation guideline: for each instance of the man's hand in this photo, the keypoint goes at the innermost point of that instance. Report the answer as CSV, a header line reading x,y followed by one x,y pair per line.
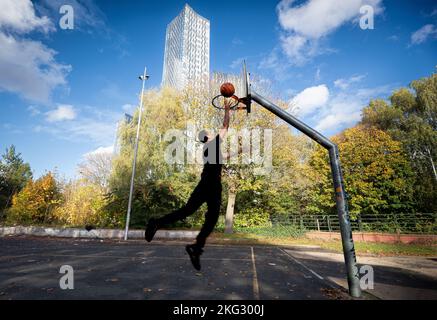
x,y
227,104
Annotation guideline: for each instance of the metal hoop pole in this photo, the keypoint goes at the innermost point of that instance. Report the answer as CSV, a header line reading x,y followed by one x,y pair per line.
x,y
341,201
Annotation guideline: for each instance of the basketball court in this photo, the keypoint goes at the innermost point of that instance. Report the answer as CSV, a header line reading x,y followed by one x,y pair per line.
x,y
29,269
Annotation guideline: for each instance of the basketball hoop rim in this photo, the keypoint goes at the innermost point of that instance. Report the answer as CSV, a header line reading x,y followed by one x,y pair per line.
x,y
223,108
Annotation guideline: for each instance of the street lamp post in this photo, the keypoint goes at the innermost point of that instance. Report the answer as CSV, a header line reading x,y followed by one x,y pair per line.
x,y
144,77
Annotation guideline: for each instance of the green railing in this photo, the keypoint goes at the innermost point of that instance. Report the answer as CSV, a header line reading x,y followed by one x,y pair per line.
x,y
423,223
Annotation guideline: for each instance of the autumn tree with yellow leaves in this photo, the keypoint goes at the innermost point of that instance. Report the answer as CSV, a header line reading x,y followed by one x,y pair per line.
x,y
377,175
36,202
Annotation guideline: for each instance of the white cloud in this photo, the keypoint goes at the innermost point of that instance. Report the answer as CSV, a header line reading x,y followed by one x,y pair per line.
x,y
33,110
305,24
19,16
88,18
421,35
344,108
129,108
29,68
276,65
237,63
237,42
88,126
11,128
310,99
79,131
330,111
87,15
317,18
100,132
271,61
317,76
346,83
100,150
299,48
62,113
334,121
372,92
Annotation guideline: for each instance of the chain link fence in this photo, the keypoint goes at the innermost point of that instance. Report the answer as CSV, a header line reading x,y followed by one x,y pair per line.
x,y
421,223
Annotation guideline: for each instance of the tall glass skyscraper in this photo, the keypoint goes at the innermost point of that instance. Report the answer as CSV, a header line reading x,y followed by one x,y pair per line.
x,y
186,57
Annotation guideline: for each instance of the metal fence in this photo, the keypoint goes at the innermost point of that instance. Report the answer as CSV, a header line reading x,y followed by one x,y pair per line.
x,y
423,223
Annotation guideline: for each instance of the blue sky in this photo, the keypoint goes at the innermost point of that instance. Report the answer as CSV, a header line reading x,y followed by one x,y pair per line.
x,y
62,91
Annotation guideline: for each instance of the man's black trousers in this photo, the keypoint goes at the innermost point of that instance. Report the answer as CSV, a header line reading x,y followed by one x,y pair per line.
x,y
209,192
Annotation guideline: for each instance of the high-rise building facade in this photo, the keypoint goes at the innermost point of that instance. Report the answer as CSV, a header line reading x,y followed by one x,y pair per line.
x,y
186,57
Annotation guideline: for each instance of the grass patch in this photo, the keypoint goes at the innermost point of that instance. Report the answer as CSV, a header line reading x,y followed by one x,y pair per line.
x,y
271,232
362,248
381,249
396,249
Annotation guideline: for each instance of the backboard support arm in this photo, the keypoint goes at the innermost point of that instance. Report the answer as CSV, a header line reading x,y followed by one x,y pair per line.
x,y
340,195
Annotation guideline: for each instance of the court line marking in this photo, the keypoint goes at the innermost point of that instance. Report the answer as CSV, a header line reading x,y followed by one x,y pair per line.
x,y
301,264
255,277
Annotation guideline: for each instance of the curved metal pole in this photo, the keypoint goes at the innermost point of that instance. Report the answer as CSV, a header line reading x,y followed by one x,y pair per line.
x,y
129,207
340,196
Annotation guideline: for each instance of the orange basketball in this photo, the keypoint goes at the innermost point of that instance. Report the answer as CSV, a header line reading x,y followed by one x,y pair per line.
x,y
227,89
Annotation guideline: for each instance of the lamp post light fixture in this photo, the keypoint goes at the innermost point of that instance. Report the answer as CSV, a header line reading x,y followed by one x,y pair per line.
x,y
143,78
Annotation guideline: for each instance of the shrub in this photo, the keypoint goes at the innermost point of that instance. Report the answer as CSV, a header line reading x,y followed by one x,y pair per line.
x,y
254,217
82,205
277,231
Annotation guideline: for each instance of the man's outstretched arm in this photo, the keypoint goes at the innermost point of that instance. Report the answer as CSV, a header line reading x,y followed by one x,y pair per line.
x,y
226,121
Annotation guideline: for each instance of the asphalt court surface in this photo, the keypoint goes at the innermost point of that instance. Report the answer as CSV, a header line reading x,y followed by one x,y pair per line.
x,y
30,269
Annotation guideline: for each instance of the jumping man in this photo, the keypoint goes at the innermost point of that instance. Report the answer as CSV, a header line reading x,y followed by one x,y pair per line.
x,y
208,190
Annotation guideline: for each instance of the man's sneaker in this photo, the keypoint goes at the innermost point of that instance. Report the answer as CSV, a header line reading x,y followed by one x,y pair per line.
x,y
151,229
194,252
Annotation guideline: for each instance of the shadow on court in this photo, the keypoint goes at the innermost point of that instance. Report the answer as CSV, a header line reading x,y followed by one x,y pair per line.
x,y
29,269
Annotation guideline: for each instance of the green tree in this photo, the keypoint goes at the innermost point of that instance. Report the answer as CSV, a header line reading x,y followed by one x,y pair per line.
x,y
411,118
377,174
159,186
14,174
284,192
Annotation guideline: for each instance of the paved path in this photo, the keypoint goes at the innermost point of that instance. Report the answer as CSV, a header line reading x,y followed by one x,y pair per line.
x,y
395,278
